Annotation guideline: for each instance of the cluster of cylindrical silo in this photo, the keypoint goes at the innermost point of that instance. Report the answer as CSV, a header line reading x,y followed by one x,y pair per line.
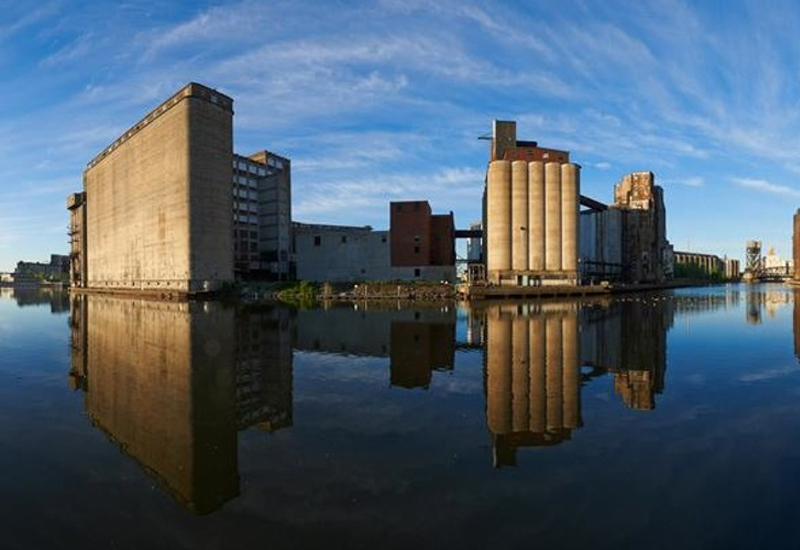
x,y
533,374
532,218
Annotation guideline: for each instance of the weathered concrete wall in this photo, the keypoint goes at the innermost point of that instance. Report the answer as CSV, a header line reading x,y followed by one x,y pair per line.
x,y
159,199
341,253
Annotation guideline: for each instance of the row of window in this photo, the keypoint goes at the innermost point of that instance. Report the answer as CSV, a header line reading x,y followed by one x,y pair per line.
x,y
250,168
246,206
245,218
244,180
245,193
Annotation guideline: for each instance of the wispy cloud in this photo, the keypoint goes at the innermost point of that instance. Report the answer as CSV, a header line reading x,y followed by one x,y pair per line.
x,y
766,187
770,374
691,181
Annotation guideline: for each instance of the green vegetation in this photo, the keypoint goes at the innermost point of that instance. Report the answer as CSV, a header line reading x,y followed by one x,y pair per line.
x,y
694,271
302,294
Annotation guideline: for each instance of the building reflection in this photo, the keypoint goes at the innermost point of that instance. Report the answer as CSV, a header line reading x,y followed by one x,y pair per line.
x,y
417,340
532,377
628,338
171,383
538,355
796,321
761,299
56,297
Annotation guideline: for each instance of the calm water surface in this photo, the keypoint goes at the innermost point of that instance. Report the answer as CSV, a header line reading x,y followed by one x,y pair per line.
x,y
650,421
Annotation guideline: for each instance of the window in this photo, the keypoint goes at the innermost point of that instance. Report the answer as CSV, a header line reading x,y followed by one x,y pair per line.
x,y
317,240
416,272
344,239
254,234
416,250
383,239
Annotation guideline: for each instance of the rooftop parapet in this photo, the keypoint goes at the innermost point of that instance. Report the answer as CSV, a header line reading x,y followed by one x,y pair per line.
x,y
192,89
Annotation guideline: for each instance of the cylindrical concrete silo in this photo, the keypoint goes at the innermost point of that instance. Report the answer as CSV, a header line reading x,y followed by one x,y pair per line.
x,y
553,376
552,216
519,215
519,373
498,218
538,384
570,190
571,375
498,372
536,216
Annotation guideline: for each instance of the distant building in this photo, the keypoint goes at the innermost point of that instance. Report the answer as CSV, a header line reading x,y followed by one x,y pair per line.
x,y
732,269
698,263
475,245
57,270
775,265
796,245
418,246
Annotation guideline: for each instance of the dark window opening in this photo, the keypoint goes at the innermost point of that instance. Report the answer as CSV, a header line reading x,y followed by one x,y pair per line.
x,y
344,238
416,250
416,272
317,240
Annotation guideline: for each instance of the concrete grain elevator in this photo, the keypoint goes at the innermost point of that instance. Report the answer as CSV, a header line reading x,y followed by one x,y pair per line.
x,y
531,212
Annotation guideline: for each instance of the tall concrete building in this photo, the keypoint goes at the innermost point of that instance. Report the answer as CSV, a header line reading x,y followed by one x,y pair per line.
x,y
169,208
262,215
530,212
155,215
627,241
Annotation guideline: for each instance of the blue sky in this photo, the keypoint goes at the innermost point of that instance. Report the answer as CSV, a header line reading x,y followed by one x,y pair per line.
x,y
384,100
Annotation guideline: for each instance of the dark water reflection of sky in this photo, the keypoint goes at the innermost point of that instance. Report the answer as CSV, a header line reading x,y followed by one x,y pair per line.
x,y
654,420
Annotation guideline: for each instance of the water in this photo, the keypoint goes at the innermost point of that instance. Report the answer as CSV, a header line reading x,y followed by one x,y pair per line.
x,y
653,420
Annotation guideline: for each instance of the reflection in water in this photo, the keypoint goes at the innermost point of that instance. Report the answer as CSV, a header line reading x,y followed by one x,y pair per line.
x,y
535,353
628,337
32,295
171,383
796,321
417,340
532,377
761,299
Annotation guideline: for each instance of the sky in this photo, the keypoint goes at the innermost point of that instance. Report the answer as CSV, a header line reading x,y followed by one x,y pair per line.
x,y
384,100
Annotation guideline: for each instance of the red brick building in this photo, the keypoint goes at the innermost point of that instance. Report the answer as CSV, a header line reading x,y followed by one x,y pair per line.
x,y
419,238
